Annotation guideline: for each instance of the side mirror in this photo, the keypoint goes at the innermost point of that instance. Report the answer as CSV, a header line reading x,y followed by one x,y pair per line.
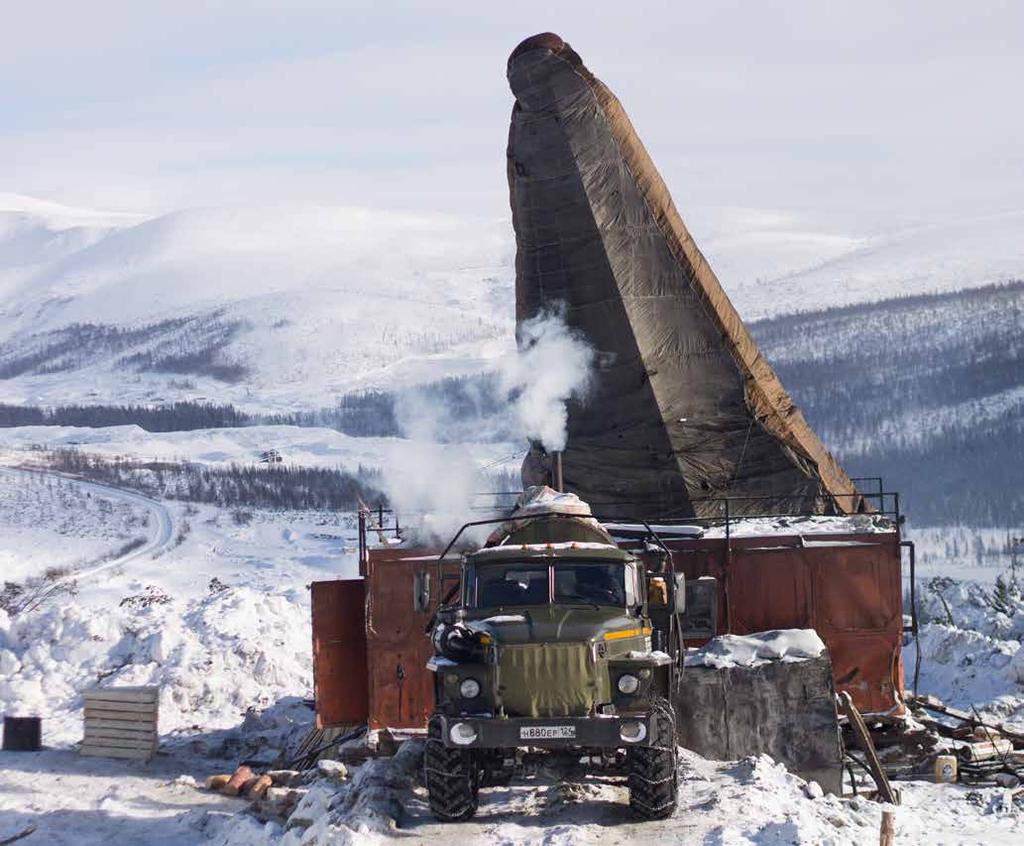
x,y
421,592
700,616
679,593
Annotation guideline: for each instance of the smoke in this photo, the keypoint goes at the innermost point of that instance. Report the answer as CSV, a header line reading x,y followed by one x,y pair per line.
x,y
553,366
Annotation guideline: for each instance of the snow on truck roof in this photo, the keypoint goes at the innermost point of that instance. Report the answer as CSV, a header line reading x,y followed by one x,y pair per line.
x,y
805,525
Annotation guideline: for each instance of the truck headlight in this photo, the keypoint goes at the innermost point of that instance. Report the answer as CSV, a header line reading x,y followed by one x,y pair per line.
x,y
632,731
628,683
462,734
469,689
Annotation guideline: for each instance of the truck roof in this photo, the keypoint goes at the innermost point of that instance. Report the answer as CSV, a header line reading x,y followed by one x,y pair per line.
x,y
576,550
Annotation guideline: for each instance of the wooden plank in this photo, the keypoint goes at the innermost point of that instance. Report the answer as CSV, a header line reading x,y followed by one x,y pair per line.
x,y
114,752
129,731
126,707
125,725
131,699
120,742
111,725
860,731
130,742
122,694
930,703
98,718
95,731
127,716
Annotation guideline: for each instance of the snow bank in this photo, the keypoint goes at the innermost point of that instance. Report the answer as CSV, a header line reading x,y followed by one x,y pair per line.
x,y
964,668
969,605
972,653
213,658
786,645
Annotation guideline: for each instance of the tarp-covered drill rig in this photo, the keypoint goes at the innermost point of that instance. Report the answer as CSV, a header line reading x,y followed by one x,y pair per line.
x,y
684,409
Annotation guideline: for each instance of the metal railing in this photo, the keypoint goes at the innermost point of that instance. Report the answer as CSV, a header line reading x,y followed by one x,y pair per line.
x,y
713,512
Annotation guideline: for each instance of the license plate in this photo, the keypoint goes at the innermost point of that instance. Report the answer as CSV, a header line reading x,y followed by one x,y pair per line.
x,y
547,732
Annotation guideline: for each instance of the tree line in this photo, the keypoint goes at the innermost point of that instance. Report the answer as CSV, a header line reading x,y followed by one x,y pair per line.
x,y
230,486
927,391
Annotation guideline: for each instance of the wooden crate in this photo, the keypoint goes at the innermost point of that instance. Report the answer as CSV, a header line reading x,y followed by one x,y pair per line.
x,y
121,722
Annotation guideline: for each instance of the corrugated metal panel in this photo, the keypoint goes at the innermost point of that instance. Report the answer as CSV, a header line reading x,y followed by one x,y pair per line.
x,y
401,688
846,587
859,614
340,682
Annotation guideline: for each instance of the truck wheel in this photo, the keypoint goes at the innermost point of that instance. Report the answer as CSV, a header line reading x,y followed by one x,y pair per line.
x,y
653,769
451,777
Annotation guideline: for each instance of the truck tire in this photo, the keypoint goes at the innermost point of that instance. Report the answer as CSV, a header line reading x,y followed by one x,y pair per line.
x,y
451,777
653,769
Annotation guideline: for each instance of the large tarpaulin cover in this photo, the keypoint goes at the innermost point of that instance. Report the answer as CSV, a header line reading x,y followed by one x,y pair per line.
x,y
684,409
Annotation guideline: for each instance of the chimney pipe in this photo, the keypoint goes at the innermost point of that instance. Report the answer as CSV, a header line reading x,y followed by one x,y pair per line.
x,y
556,470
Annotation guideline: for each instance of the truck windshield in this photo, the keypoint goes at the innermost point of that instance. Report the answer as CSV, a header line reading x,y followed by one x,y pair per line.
x,y
592,583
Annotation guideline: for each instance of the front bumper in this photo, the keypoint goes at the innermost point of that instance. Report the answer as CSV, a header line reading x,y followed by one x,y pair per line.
x,y
508,732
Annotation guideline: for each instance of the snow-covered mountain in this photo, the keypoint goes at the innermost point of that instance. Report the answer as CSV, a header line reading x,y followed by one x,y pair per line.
x,y
919,260
277,308
274,307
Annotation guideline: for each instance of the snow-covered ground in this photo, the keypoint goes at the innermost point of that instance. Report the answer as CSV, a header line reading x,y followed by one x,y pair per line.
x,y
219,618
52,526
213,606
86,801
754,801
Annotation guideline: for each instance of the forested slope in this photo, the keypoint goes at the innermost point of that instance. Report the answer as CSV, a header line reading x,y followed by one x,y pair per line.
x,y
927,391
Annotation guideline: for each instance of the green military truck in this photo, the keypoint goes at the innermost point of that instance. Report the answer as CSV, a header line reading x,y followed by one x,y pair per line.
x,y
559,646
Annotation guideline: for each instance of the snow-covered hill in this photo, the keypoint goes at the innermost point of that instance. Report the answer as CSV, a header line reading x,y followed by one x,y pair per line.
x,y
276,308
273,307
919,260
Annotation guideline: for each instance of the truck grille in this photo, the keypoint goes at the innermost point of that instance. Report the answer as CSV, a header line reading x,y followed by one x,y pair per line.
x,y
550,680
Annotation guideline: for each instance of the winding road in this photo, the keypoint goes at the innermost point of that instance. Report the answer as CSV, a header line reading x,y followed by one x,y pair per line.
x,y
161,527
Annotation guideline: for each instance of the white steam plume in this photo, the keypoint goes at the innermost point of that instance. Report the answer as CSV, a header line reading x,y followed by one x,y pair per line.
x,y
432,484
553,365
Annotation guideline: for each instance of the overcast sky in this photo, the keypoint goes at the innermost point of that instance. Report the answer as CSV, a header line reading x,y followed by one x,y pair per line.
x,y
857,115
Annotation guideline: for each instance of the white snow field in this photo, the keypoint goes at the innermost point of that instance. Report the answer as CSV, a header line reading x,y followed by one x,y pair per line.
x,y
311,302
298,445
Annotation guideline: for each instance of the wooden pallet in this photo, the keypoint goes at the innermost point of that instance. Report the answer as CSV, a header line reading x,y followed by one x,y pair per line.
x,y
121,722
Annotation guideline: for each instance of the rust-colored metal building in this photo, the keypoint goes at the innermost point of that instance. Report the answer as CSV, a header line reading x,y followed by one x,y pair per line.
x,y
370,648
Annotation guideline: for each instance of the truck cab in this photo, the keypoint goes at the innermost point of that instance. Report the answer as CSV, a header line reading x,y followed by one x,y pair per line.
x,y
549,646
